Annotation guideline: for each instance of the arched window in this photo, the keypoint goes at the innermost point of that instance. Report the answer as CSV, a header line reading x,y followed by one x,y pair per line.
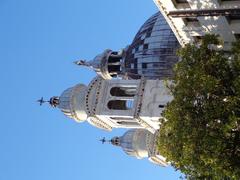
x,y
114,68
114,58
121,118
128,123
125,121
123,91
161,106
114,64
120,104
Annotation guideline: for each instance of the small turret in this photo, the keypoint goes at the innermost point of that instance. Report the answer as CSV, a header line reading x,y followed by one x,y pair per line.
x,y
107,65
115,141
54,101
139,143
71,102
152,54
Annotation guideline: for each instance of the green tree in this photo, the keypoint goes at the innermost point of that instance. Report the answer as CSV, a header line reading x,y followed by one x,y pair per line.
x,y
201,136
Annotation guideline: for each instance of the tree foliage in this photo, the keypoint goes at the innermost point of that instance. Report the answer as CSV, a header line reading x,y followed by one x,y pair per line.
x,y
201,136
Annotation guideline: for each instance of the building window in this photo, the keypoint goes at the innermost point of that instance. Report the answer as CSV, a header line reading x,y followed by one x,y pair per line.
x,y
132,66
122,118
181,3
161,106
144,65
128,123
129,104
197,39
232,18
237,36
123,91
125,121
114,58
120,104
145,46
191,20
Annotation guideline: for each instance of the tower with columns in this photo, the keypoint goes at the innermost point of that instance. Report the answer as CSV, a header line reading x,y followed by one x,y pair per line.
x,y
116,103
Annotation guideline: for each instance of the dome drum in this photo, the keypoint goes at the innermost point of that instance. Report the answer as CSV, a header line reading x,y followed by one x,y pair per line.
x,y
151,54
110,64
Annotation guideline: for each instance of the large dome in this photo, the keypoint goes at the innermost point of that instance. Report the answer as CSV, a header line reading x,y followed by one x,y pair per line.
x,y
152,53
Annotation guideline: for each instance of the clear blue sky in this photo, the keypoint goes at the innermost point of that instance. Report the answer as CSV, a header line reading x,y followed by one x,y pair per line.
x,y
38,42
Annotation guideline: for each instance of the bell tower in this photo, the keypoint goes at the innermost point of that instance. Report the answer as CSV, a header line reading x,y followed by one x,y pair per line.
x,y
132,103
117,102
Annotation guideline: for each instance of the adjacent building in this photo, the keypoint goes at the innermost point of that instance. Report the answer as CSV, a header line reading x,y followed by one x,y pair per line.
x,y
190,20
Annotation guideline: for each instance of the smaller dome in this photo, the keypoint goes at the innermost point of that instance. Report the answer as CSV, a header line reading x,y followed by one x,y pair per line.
x,y
140,143
72,102
133,142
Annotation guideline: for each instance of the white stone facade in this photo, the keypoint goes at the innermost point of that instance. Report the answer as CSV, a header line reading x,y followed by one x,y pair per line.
x,y
131,103
188,30
129,90
117,103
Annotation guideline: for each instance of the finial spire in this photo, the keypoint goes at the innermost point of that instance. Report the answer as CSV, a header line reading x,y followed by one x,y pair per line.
x,y
42,101
114,141
54,101
103,140
81,62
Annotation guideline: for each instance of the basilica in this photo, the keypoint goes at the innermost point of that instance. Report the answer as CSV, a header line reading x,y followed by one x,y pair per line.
x,y
129,90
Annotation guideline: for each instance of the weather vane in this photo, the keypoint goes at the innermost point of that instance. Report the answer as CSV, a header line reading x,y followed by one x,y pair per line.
x,y
41,101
